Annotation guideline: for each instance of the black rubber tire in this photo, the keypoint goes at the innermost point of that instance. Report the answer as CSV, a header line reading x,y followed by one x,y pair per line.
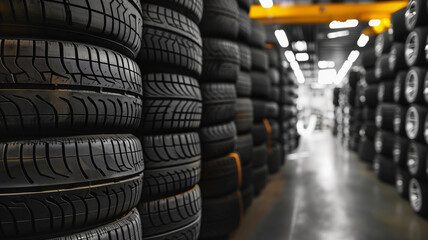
x,y
370,98
113,24
382,70
220,177
415,47
126,228
402,180
287,112
244,25
370,76
274,59
191,8
399,88
170,102
421,187
272,110
400,120
274,159
416,160
220,19
399,154
218,103
258,35
247,175
368,130
260,155
175,217
369,114
385,93
384,169
368,58
83,180
416,14
366,150
245,4
274,94
275,130
172,164
384,143
260,85
244,115
398,31
382,44
247,197
274,76
171,42
243,84
220,216
415,122
259,133
396,59
260,110
221,60
245,57
259,60
385,114
217,141
414,85
260,176
244,148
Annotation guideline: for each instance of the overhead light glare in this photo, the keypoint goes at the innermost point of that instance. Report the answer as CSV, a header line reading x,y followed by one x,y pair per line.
x,y
266,3
300,46
302,57
363,40
295,66
338,34
343,71
282,38
299,76
290,56
326,64
326,76
350,23
374,22
353,56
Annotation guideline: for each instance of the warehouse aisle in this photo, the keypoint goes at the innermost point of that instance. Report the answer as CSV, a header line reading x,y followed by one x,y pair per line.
x,y
325,192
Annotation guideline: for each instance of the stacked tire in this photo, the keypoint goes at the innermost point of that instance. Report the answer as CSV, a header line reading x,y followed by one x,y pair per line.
x,y
71,95
221,179
356,110
288,114
171,59
335,130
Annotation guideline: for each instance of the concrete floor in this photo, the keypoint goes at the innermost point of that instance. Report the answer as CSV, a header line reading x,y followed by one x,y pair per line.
x,y
325,193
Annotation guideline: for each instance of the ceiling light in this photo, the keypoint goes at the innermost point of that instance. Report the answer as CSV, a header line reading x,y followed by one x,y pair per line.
x,y
363,40
343,71
326,76
290,56
350,23
326,64
266,3
302,57
300,77
281,36
374,22
353,56
300,46
338,34
295,66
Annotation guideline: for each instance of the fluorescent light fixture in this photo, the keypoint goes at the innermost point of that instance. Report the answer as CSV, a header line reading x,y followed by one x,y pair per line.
x,y
266,3
300,77
343,71
326,76
300,46
295,66
285,64
363,40
374,22
353,56
338,34
290,56
281,36
326,64
350,23
302,57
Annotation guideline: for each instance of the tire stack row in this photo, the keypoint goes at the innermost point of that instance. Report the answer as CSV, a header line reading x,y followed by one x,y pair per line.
x,y
343,115
171,59
355,109
221,179
260,90
66,78
290,138
335,130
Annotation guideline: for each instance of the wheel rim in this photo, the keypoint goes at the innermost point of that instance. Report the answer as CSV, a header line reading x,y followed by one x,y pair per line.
x,y
392,59
412,123
397,120
378,142
412,159
399,183
378,118
426,132
412,46
415,195
397,89
376,166
410,14
411,86
396,152
379,43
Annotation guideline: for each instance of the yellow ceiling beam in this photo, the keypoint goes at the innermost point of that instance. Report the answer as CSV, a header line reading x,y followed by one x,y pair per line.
x,y
324,13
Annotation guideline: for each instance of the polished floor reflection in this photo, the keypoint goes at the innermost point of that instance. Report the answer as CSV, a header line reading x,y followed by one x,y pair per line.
x,y
326,193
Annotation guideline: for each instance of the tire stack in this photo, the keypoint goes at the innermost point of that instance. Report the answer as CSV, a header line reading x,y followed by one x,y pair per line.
x,y
288,113
355,110
369,100
260,90
336,92
344,115
67,78
244,106
383,164
221,179
171,59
